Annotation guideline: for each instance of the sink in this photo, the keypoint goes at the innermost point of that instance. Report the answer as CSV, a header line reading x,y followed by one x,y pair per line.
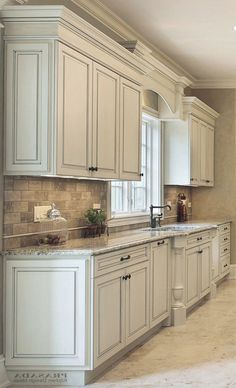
x,y
175,228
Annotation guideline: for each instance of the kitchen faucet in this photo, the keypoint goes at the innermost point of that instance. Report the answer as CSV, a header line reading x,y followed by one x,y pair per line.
x,y
156,221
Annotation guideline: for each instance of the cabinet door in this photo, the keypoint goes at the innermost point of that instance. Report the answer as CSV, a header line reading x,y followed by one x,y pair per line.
x,y
105,122
130,131
203,153
109,316
210,155
47,321
27,108
159,283
215,257
137,301
194,151
74,113
192,276
205,269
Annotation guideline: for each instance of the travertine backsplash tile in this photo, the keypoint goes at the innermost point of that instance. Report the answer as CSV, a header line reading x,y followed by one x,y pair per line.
x,y
71,196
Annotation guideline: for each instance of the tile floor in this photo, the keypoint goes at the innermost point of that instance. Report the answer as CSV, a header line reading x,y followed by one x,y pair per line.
x,y
201,353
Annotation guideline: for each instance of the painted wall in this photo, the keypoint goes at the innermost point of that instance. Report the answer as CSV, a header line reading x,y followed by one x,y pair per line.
x,y
220,201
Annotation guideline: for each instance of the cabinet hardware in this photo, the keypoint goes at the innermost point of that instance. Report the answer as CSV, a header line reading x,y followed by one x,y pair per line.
x,y
161,242
226,265
125,277
125,258
129,276
225,249
207,181
141,174
93,168
199,238
226,228
200,251
191,179
226,238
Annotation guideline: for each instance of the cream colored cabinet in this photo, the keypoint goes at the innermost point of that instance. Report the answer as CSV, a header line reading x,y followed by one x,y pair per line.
x,y
121,309
224,249
47,319
130,130
67,115
28,120
189,146
198,272
159,282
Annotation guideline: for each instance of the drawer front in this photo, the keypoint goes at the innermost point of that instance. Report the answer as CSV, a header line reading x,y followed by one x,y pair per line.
x,y
225,264
224,249
225,238
224,228
198,238
122,258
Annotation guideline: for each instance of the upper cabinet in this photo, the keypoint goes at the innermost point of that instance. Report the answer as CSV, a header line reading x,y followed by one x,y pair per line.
x,y
70,109
189,146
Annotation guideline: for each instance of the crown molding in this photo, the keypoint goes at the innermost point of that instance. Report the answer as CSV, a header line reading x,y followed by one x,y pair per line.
x,y
192,105
214,84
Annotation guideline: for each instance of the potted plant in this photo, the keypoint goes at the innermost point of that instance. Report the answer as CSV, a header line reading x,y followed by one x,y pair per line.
x,y
92,217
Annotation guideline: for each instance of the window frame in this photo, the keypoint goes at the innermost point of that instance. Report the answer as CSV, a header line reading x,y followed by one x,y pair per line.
x,y
138,217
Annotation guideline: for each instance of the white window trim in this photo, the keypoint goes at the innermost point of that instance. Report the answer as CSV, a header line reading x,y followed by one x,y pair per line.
x,y
131,219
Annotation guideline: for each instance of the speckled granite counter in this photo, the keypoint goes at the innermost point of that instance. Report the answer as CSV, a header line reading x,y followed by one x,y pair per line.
x,y
98,245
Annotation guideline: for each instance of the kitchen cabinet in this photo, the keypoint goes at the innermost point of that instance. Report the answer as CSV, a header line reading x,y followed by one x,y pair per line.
x,y
121,309
46,312
189,146
159,282
224,249
68,115
198,271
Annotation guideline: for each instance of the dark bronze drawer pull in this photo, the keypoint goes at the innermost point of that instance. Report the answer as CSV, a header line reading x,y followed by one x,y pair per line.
x,y
125,258
200,251
225,249
226,228
226,265
226,238
199,238
161,242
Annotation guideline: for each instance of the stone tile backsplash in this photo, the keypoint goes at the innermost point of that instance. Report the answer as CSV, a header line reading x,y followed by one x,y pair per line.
x,y
71,196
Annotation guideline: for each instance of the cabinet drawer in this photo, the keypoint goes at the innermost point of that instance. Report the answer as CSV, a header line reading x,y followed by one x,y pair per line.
x,y
111,261
198,238
225,264
224,228
224,249
225,238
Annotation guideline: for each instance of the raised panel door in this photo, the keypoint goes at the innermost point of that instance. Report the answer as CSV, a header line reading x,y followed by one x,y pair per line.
x,y
210,155
203,153
194,151
74,143
105,122
27,106
46,321
130,130
137,301
192,276
109,316
205,269
159,295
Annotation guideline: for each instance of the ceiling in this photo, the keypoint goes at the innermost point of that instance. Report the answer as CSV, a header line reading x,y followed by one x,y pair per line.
x,y
197,34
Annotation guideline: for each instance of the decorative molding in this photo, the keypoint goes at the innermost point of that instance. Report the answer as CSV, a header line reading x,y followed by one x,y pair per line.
x,y
4,382
214,84
232,274
190,102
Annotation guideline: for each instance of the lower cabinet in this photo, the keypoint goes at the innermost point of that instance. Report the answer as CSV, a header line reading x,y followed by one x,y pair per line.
x,y
121,309
159,282
198,273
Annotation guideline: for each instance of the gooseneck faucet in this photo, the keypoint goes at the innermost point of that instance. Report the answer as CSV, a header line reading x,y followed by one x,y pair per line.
x,y
156,221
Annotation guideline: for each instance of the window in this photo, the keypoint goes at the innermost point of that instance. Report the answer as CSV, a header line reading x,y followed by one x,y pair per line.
x,y
134,198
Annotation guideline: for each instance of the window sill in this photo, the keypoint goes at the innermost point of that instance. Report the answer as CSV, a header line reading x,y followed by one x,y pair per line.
x,y
128,220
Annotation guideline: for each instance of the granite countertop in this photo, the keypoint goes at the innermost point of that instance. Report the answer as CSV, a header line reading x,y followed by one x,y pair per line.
x,y
103,244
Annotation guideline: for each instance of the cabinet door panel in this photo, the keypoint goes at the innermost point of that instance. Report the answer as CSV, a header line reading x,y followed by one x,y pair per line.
x,y
203,153
105,122
192,276
210,155
45,313
28,127
130,127
205,266
194,151
137,301
74,113
159,283
109,316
